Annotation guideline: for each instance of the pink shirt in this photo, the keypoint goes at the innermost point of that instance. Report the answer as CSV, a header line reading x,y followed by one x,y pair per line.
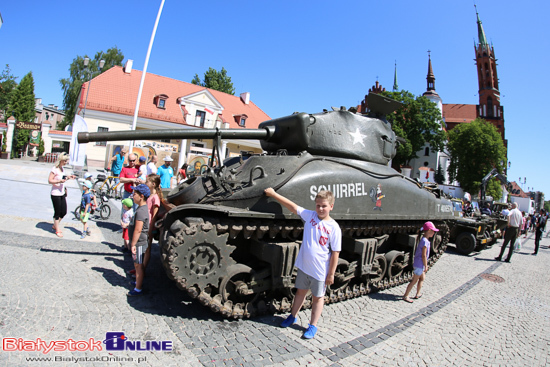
x,y
57,189
152,202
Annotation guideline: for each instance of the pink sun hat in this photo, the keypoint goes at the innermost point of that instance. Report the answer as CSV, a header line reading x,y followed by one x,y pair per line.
x,y
428,226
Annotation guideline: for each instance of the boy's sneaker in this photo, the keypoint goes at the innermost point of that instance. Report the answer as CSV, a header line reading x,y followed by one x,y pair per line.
x,y
132,283
288,321
83,235
88,233
310,332
134,293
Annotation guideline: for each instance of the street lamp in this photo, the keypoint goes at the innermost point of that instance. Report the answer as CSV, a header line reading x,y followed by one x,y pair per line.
x,y
86,62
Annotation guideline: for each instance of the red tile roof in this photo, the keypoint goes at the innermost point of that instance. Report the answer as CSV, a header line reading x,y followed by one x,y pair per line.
x,y
459,113
521,194
3,124
116,91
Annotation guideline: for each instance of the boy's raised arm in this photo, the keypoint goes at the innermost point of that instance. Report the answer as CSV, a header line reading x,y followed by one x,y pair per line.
x,y
289,204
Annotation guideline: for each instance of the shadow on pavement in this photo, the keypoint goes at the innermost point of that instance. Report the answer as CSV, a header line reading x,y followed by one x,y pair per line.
x,y
161,295
45,226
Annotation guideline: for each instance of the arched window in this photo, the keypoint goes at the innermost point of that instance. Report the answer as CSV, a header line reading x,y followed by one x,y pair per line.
x,y
490,106
427,151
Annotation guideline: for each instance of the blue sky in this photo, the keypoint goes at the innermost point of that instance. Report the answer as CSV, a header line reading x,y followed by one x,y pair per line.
x,y
305,55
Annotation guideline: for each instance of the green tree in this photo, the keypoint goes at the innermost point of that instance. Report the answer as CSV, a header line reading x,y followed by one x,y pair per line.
x,y
547,206
217,80
79,74
7,85
22,105
476,148
418,122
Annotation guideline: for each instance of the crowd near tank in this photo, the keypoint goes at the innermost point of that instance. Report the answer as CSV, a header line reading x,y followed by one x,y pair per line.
x,y
233,248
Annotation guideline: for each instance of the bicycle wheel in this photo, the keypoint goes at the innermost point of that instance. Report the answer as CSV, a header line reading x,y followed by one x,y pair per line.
x,y
77,213
105,212
119,192
97,185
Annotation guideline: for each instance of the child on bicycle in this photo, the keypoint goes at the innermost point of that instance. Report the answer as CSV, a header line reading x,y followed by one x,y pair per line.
x,y
85,208
127,214
88,177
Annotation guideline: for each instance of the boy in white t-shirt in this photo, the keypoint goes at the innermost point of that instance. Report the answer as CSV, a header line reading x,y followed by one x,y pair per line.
x,y
318,255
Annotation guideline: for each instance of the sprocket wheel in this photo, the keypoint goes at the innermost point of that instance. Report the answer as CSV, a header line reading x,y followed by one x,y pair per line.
x,y
201,256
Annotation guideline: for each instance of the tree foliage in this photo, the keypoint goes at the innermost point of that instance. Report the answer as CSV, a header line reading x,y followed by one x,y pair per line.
x,y
217,80
79,74
418,122
476,148
7,85
22,106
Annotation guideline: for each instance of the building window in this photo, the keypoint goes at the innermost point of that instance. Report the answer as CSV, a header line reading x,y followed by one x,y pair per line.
x,y
200,116
102,130
489,107
427,152
194,144
242,122
160,101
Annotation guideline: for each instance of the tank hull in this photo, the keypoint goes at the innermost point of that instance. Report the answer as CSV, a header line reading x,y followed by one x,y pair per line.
x,y
234,249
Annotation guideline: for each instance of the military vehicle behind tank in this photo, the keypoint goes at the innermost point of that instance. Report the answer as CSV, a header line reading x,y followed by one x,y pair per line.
x,y
233,248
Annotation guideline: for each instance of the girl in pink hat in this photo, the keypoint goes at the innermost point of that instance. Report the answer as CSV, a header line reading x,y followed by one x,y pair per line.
x,y
420,262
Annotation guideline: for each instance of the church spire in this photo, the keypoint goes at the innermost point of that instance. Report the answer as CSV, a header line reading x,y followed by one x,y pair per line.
x,y
431,77
480,31
395,86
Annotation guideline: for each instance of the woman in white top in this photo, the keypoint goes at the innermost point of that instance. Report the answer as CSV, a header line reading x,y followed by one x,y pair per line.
x,y
57,179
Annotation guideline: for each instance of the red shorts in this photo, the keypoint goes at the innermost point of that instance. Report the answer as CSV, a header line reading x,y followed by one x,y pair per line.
x,y
125,234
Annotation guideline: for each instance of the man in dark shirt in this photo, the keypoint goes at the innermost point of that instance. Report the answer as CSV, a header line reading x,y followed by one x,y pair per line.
x,y
541,224
486,209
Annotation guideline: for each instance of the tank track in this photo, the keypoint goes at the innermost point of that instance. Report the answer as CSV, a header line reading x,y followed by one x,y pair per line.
x,y
204,258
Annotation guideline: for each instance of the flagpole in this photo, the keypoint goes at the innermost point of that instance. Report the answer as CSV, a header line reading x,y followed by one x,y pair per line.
x,y
144,72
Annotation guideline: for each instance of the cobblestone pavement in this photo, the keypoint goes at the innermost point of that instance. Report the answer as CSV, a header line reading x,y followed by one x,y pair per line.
x,y
59,289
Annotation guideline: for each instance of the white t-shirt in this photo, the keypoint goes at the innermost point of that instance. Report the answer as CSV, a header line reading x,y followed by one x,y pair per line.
x,y
57,189
143,172
320,238
151,168
515,218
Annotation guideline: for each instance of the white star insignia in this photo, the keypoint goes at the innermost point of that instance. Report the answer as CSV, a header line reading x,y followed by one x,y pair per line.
x,y
358,137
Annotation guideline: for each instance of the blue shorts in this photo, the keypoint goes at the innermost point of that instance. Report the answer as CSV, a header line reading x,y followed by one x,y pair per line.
x,y
418,271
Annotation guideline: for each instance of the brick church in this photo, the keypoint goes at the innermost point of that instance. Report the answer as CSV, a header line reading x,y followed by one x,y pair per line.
x,y
489,107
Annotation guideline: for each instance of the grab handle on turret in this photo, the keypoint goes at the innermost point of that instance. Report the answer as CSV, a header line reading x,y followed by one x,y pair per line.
x,y
262,174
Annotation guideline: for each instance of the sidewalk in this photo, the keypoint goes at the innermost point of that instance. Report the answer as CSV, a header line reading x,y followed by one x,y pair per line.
x,y
26,203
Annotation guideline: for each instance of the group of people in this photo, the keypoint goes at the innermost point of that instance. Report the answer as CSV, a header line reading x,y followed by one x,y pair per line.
x,y
140,168
518,223
139,213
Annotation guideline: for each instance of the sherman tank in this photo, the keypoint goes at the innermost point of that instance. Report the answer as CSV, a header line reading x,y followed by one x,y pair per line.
x,y
233,248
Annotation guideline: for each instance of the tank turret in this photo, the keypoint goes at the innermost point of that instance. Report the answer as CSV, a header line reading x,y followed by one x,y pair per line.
x,y
233,248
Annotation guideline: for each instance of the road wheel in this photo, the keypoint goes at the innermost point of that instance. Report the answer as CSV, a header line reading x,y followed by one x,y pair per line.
x,y
379,268
465,243
396,263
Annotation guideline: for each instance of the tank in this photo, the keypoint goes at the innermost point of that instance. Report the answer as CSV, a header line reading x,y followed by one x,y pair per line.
x,y
233,248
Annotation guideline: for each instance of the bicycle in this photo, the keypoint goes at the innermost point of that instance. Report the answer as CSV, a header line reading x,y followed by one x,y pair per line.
x,y
103,208
106,186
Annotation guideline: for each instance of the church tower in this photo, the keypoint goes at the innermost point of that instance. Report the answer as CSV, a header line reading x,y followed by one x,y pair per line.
x,y
489,107
430,92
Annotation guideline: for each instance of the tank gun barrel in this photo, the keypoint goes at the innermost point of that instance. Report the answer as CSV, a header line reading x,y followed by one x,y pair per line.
x,y
264,133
